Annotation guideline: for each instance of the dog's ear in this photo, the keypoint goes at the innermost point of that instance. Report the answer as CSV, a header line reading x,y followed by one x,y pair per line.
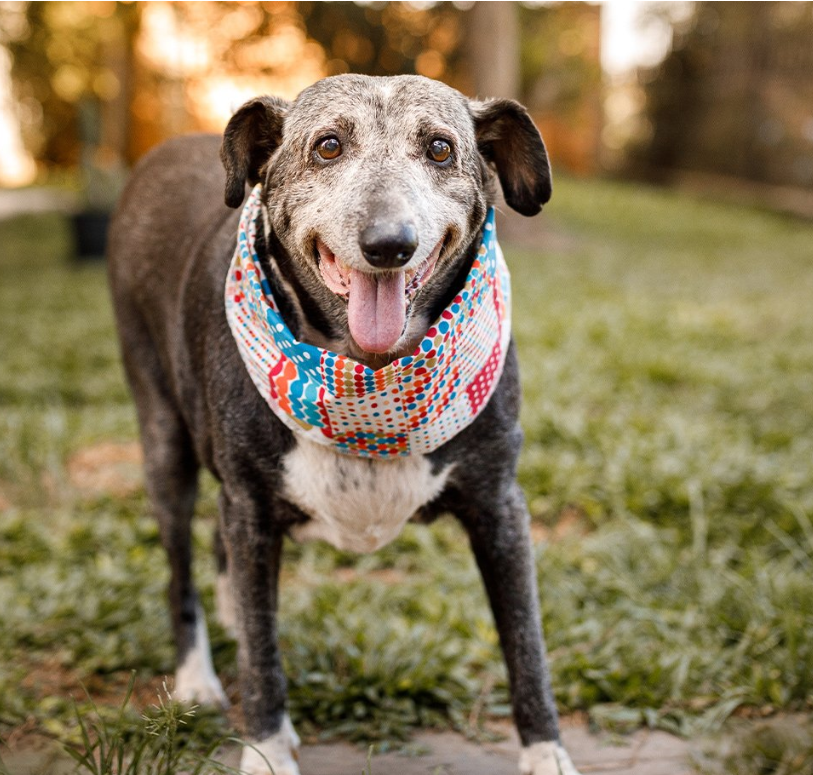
x,y
251,136
508,138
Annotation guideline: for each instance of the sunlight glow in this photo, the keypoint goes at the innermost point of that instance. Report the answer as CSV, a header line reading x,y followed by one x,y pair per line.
x,y
183,47
637,33
17,168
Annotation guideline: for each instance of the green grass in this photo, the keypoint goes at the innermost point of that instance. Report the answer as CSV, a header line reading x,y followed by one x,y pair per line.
x,y
781,747
667,353
160,741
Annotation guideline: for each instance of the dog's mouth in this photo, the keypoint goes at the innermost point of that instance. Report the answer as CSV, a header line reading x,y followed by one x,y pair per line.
x,y
376,301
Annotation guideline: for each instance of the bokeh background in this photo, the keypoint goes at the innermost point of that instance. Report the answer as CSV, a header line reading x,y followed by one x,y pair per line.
x,y
703,93
662,310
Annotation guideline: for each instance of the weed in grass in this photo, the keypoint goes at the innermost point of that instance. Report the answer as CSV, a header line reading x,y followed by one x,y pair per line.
x,y
368,770
158,743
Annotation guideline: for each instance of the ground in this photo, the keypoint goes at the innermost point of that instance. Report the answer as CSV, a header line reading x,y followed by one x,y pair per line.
x,y
444,753
666,345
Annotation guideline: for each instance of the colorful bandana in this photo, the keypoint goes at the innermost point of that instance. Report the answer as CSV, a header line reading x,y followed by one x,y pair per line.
x,y
411,406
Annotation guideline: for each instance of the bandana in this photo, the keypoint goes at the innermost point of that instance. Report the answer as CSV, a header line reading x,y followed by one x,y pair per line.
x,y
411,406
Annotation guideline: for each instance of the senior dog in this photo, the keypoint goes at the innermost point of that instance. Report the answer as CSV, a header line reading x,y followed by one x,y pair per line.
x,y
338,355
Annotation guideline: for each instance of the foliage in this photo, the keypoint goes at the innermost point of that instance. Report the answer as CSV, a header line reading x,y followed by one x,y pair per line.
x,y
388,39
560,72
783,747
97,81
727,96
65,58
666,349
71,60
158,742
665,373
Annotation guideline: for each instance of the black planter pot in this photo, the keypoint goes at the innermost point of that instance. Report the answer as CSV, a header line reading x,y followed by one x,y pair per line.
x,y
90,232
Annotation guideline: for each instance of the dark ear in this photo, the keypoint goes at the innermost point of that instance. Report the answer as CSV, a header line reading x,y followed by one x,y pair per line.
x,y
507,137
251,136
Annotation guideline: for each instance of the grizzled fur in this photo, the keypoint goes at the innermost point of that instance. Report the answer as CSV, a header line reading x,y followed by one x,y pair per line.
x,y
170,248
382,172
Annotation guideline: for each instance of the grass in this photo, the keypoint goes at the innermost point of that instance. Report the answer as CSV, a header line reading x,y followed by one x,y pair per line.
x,y
783,747
667,348
154,745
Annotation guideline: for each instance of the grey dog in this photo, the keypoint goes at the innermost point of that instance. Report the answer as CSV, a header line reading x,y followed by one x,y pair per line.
x,y
362,179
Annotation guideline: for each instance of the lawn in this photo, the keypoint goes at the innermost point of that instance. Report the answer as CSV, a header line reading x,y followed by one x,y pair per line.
x,y
667,353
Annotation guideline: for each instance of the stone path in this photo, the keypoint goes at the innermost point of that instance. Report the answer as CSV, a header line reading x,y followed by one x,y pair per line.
x,y
436,753
643,753
19,201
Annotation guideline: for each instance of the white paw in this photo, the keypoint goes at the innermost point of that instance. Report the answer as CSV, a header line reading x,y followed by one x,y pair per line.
x,y
195,679
546,759
197,689
224,605
281,751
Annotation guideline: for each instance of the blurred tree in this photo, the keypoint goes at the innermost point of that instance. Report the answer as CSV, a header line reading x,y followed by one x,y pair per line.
x,y
388,38
493,49
70,55
734,95
561,79
128,75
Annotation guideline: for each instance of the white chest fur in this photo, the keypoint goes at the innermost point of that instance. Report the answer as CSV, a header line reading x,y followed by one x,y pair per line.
x,y
356,504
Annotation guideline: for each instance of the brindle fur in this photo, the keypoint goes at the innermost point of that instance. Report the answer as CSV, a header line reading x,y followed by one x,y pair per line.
x,y
170,247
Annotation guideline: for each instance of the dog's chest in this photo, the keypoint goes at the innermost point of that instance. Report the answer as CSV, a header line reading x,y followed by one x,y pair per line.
x,y
356,504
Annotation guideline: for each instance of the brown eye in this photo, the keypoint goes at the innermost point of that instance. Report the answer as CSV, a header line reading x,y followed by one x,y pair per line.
x,y
329,148
439,151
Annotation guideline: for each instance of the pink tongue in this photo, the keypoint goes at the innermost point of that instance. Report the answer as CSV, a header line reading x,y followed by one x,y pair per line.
x,y
376,309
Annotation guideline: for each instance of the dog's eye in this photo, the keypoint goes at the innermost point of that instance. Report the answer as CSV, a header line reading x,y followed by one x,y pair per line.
x,y
329,147
439,151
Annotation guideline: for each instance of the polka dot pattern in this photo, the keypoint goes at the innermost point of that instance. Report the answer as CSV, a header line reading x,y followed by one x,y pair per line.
x,y
413,405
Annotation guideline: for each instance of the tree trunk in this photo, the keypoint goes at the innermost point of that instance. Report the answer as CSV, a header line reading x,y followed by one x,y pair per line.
x,y
494,49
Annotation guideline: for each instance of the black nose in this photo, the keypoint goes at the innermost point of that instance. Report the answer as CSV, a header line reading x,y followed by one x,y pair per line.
x,y
388,245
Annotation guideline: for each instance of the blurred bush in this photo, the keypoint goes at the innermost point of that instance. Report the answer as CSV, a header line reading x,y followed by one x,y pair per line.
x,y
153,70
733,96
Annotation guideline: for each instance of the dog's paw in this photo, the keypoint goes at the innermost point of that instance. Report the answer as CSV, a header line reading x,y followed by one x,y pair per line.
x,y
546,759
195,679
280,750
198,684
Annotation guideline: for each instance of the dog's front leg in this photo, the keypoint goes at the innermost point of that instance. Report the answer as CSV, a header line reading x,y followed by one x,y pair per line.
x,y
254,545
501,542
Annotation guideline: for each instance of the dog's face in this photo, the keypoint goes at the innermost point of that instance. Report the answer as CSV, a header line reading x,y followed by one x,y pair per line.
x,y
375,190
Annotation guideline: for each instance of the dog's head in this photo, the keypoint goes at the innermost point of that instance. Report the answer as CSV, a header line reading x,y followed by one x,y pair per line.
x,y
375,191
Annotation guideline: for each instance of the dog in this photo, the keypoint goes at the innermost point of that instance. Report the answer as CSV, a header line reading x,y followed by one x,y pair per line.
x,y
372,194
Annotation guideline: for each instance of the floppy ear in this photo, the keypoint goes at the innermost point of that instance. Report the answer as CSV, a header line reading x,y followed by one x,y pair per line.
x,y
507,137
251,136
